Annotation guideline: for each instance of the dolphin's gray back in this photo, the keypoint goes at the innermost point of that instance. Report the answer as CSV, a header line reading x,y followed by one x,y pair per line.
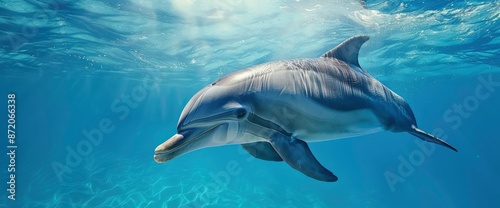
x,y
328,82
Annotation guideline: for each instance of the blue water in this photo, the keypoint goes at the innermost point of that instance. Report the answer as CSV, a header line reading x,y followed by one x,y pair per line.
x,y
123,71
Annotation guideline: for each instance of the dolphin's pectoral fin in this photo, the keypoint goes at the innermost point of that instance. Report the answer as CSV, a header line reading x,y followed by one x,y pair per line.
x,y
262,150
429,138
298,155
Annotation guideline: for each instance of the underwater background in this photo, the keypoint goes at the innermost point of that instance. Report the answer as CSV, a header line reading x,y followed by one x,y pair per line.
x,y
99,84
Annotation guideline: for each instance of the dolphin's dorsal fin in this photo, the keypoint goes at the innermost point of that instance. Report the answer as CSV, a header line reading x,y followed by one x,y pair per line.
x,y
348,50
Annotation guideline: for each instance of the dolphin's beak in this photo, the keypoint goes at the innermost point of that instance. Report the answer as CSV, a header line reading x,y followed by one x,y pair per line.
x,y
162,151
182,142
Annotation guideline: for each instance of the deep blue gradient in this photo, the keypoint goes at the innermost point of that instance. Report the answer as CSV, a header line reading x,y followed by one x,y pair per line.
x,y
123,71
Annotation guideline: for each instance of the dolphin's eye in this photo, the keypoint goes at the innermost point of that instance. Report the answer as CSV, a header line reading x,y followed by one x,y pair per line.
x,y
241,113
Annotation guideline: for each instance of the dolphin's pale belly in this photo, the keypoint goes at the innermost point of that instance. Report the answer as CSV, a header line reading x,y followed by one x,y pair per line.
x,y
310,121
338,124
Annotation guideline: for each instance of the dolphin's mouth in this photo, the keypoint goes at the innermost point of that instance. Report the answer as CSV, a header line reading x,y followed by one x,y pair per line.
x,y
168,149
162,151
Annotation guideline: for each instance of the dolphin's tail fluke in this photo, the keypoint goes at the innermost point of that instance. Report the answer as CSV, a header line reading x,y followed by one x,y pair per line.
x,y
429,138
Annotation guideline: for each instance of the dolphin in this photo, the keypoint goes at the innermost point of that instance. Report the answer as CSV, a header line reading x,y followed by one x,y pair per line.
x,y
273,109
